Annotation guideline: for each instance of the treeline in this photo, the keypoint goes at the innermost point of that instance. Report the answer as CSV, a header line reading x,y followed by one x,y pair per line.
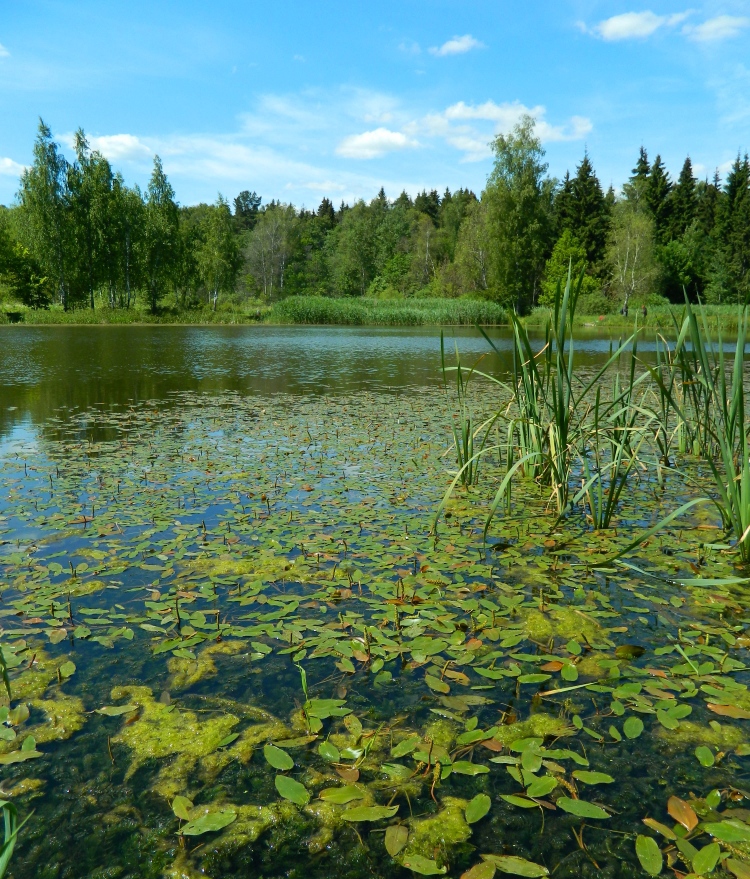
x,y
78,236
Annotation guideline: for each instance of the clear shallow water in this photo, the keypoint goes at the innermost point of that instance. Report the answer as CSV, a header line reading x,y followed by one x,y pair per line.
x,y
170,490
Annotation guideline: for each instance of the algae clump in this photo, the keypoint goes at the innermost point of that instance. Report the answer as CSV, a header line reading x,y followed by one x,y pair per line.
x,y
164,731
434,837
187,672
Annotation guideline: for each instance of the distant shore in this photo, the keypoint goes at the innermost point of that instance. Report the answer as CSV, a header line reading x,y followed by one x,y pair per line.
x,y
301,310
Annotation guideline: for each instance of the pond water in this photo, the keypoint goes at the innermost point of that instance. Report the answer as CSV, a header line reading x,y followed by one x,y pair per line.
x,y
237,648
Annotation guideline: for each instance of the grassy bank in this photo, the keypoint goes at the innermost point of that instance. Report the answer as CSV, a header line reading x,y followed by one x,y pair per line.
x,y
724,317
294,310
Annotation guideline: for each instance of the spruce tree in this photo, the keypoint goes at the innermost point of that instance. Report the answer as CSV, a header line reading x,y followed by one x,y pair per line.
x,y
708,196
684,201
635,188
591,217
733,228
563,210
658,190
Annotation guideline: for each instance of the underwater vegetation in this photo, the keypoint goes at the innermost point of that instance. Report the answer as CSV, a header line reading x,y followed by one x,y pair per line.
x,y
255,636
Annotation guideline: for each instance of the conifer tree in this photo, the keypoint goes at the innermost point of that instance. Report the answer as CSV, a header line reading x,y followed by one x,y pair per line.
x,y
684,201
733,232
658,190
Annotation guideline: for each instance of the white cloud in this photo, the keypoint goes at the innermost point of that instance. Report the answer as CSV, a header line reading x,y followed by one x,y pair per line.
x,y
4,53
634,25
10,168
460,126
121,147
373,144
457,46
409,47
720,28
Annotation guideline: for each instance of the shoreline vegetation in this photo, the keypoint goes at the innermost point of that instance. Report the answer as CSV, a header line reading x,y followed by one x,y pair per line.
x,y
329,311
78,237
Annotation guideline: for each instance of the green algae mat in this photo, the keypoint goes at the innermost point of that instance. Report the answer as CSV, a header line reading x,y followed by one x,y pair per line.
x,y
234,645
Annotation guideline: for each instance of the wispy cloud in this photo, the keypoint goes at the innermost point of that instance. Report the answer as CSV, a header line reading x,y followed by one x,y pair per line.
x,y
457,46
373,144
721,27
121,147
460,125
4,53
633,25
9,168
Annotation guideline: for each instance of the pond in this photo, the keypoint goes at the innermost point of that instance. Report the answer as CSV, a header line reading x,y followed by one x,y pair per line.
x,y
239,644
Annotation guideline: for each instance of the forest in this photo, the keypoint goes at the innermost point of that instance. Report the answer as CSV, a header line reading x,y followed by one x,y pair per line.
x,y
77,236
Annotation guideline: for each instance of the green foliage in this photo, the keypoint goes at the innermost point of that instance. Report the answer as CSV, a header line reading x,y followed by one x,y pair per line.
x,y
519,196
79,237
567,255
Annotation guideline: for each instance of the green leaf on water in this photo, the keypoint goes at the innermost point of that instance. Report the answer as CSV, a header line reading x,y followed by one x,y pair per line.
x,y
729,831
181,806
517,866
581,808
705,756
341,795
329,752
707,859
423,866
210,822
540,787
405,747
592,777
277,758
666,720
18,757
116,710
477,808
292,790
533,678
396,837
67,669
633,727
369,813
649,854
464,767
523,802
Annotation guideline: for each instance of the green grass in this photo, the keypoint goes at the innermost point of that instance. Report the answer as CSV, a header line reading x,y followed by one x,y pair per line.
x,y
293,310
718,317
387,312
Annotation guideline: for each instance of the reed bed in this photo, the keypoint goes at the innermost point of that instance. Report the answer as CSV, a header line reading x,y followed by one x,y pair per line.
x,y
583,438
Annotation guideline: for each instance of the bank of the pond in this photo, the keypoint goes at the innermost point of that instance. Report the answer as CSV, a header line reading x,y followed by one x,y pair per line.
x,y
293,310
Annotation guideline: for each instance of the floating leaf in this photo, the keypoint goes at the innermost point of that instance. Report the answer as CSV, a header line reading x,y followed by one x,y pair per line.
x,y
116,710
523,802
436,684
705,756
581,808
423,866
649,854
633,727
733,711
277,758
369,813
740,869
517,866
707,858
209,822
540,787
18,756
729,831
464,767
328,752
67,669
292,790
181,806
477,808
682,813
396,837
592,777
483,870
405,747
341,795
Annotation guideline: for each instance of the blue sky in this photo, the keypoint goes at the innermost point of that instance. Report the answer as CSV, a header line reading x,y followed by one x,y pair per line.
x,y
301,100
